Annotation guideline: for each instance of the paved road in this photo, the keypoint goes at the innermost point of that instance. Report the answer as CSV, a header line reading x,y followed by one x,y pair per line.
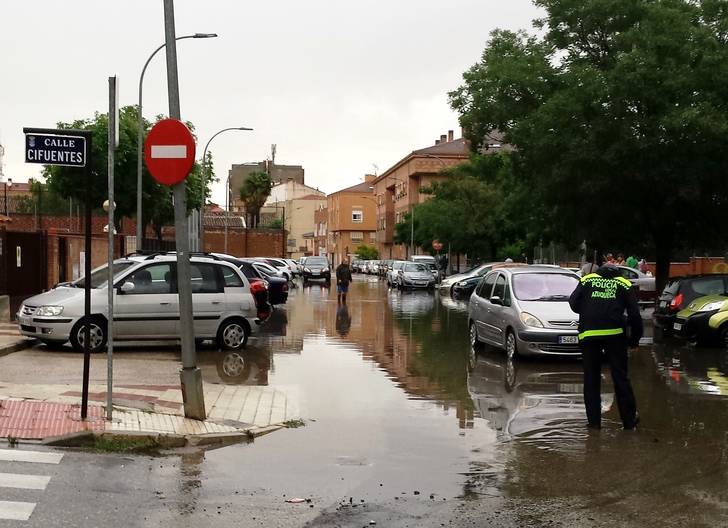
x,y
397,417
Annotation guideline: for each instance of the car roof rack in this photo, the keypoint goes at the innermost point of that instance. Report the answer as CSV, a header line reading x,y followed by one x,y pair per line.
x,y
197,254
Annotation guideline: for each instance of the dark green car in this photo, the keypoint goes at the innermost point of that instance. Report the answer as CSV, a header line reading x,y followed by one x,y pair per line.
x,y
704,321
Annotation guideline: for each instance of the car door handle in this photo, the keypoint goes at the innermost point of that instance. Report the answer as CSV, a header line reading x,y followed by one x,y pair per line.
x,y
164,303
216,302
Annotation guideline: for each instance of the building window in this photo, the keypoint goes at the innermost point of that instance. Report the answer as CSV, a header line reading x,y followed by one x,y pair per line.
x,y
372,236
291,242
357,236
357,216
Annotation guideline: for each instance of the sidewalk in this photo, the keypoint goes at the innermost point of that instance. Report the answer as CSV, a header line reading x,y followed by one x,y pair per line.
x,y
41,411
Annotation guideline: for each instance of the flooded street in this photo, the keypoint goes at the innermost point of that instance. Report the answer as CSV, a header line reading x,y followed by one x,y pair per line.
x,y
403,421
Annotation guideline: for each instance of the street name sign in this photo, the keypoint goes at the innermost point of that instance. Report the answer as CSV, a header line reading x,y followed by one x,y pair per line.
x,y
50,149
169,151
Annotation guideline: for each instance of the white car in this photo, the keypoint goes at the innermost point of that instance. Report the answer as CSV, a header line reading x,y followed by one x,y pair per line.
x,y
146,304
293,266
280,264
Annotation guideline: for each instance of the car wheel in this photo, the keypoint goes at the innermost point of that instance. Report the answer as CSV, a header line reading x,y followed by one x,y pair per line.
x,y
98,335
724,335
473,333
511,345
232,335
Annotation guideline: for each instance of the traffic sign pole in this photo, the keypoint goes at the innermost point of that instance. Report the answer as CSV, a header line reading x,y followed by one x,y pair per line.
x,y
190,375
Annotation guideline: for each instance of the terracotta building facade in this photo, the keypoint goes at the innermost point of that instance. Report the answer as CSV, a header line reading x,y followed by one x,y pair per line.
x,y
398,189
352,220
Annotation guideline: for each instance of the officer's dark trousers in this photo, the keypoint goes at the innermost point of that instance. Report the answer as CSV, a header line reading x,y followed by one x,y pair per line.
x,y
615,351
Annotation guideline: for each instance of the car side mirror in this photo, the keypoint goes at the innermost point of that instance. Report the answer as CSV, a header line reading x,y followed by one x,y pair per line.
x,y
496,300
127,287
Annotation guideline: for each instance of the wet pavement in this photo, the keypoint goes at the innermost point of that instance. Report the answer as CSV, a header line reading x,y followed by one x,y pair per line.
x,y
405,426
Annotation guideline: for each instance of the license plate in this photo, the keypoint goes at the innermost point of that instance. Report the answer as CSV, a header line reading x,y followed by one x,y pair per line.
x,y
24,320
569,340
315,273
663,304
422,283
677,326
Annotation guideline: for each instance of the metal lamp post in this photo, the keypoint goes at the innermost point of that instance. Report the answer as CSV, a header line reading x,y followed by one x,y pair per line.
x,y
204,187
8,183
140,134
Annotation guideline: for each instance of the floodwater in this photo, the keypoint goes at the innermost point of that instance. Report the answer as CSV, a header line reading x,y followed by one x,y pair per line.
x,y
395,403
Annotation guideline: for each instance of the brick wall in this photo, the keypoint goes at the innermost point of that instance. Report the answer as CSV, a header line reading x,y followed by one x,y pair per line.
x,y
29,222
247,242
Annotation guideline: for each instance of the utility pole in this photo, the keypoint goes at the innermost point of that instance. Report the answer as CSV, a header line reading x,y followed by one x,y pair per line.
x,y
190,375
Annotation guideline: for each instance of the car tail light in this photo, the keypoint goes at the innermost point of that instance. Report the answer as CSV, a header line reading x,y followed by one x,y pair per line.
x,y
285,287
257,286
677,301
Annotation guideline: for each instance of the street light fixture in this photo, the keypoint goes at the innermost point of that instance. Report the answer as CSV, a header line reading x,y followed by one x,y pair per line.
x,y
204,185
140,134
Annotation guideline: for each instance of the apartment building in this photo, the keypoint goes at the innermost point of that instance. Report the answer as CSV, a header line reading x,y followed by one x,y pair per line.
x,y
352,220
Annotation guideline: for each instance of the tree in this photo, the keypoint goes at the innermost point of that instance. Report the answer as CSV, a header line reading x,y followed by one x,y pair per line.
x,y
365,252
619,117
254,192
482,209
156,199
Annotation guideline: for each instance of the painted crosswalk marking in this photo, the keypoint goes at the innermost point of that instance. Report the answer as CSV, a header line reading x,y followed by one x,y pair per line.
x,y
38,457
16,511
21,511
16,480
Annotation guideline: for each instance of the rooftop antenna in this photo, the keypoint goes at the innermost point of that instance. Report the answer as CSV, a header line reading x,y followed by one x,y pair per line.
x,y
2,155
376,169
273,153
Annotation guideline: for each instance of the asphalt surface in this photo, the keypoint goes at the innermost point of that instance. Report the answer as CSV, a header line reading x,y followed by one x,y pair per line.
x,y
403,428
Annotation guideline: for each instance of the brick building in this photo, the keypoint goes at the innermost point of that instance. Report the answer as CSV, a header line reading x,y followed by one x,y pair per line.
x,y
352,220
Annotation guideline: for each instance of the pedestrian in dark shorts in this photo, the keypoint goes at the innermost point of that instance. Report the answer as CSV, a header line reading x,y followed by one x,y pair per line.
x,y
343,278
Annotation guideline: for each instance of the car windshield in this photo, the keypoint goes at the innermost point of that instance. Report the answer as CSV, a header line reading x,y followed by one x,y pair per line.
x,y
543,286
99,275
316,261
414,267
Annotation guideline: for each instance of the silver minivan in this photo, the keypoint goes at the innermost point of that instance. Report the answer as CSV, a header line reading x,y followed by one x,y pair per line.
x,y
146,304
525,310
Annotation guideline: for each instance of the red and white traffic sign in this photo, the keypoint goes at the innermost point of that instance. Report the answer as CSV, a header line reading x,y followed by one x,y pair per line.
x,y
169,151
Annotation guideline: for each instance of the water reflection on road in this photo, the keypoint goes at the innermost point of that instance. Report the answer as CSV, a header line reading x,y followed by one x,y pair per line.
x,y
400,403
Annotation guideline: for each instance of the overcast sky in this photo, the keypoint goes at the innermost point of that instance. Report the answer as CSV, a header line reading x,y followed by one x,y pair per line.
x,y
337,85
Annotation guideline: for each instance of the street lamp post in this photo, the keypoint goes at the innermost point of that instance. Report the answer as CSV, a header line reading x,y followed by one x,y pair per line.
x,y
8,183
140,135
204,187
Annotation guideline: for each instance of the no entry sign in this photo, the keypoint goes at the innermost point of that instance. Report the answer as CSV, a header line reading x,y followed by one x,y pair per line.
x,y
169,151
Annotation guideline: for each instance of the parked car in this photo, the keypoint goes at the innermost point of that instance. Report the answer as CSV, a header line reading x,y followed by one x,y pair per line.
x,y
316,268
393,271
525,310
255,270
358,266
465,287
146,304
384,266
372,267
415,275
293,266
704,321
280,264
643,282
679,292
430,262
355,265
477,271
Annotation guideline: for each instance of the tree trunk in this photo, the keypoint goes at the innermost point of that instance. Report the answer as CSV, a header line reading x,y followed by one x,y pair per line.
x,y
663,255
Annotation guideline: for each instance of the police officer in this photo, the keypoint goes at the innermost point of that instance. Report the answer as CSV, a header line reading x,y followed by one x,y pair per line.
x,y
601,299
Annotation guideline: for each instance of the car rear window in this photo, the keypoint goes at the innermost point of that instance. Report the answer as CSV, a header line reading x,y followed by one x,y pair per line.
x,y
671,288
316,261
707,286
543,286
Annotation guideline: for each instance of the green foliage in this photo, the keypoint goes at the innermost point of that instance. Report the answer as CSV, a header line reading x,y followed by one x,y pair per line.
x,y
276,223
365,252
156,199
618,114
483,209
254,192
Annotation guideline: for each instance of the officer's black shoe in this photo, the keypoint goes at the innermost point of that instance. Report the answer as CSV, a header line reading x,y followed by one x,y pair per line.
x,y
632,426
